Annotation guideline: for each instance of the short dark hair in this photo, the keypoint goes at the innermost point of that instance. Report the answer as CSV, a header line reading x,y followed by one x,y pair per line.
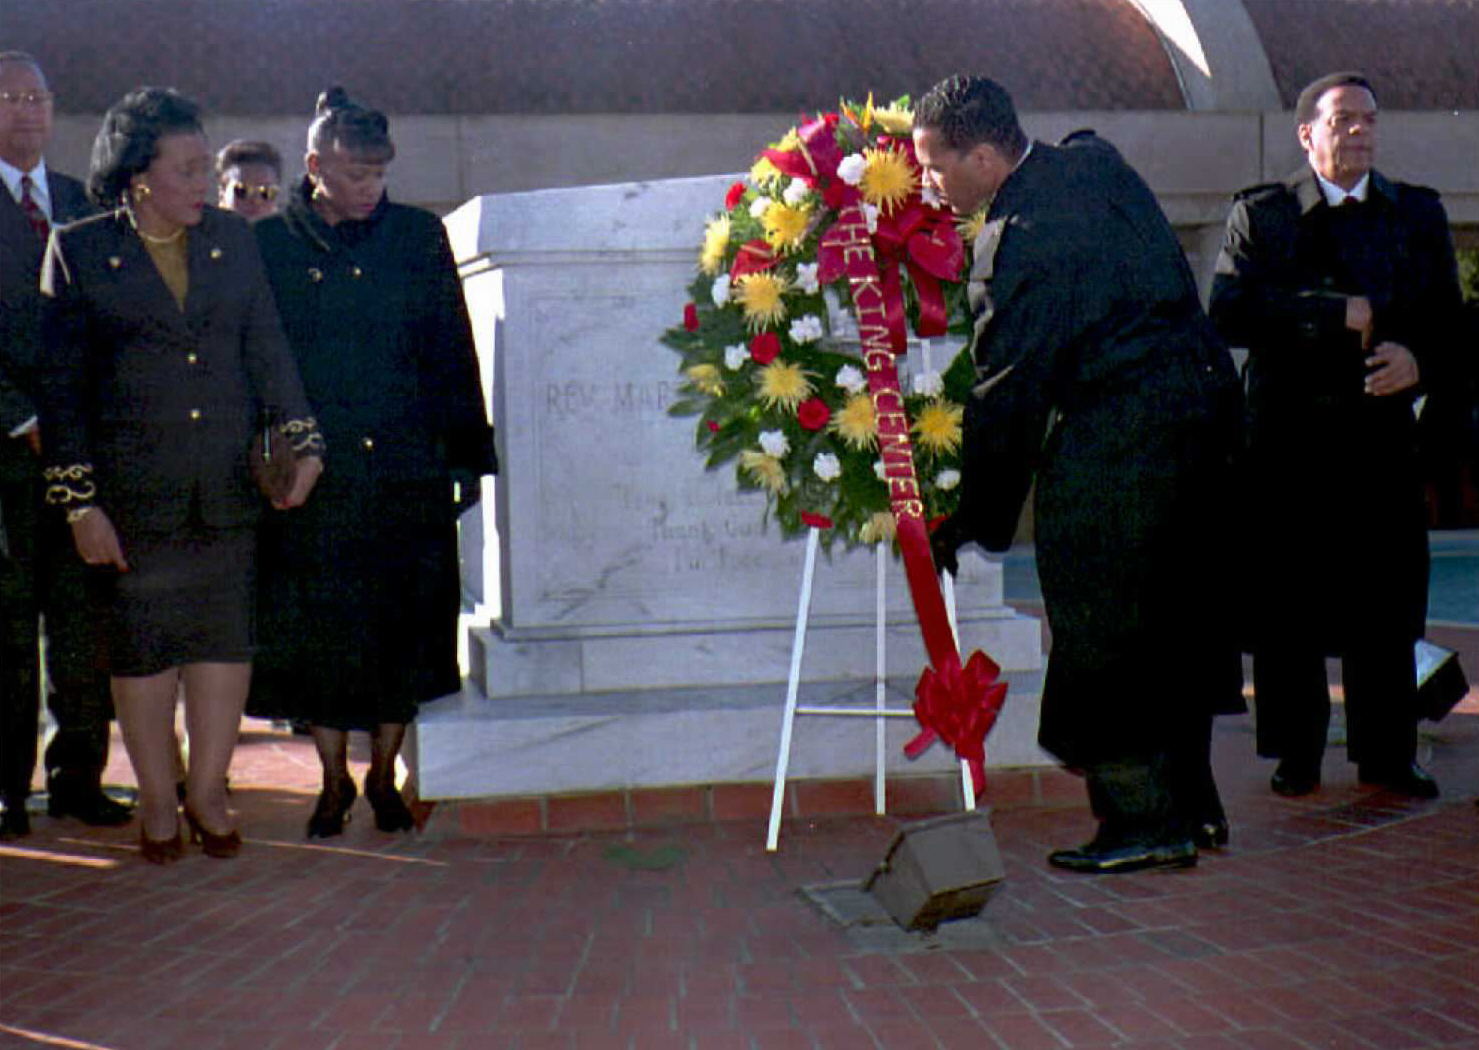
x,y
21,58
968,111
248,151
1309,98
128,141
340,121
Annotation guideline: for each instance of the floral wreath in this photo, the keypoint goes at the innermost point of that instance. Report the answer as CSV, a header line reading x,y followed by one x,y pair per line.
x,y
766,359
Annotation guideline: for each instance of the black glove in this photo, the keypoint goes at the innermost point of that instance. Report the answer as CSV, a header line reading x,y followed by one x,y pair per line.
x,y
944,542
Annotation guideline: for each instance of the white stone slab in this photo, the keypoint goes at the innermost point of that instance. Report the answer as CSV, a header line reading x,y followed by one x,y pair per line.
x,y
466,747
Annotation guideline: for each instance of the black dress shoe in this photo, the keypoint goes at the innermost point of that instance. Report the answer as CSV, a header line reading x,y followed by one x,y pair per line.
x,y
1293,779
1411,780
1096,859
90,806
15,822
1210,834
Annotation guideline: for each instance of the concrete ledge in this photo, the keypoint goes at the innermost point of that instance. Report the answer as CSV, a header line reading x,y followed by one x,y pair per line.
x,y
468,747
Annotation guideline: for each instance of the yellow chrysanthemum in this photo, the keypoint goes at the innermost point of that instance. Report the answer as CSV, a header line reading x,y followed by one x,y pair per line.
x,y
888,178
894,119
761,295
880,528
856,422
763,173
938,426
716,245
706,379
971,226
783,385
765,469
785,226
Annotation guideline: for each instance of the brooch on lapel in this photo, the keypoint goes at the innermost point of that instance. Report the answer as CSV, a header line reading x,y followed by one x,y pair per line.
x,y
115,263
216,253
315,274
355,271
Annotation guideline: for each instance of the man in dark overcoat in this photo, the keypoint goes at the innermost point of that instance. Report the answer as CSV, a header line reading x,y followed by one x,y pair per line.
x,y
38,568
1342,285
1101,379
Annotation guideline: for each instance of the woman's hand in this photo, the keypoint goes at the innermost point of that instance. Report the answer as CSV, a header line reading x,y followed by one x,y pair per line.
x,y
97,540
305,476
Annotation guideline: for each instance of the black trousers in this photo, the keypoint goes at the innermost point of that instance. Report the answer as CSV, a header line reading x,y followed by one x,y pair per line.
x,y
41,575
1292,703
1160,794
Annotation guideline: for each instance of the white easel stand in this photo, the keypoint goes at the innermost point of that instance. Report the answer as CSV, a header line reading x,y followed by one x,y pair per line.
x,y
879,712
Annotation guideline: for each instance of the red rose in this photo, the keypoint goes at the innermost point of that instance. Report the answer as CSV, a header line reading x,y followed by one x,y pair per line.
x,y
690,317
813,413
765,347
732,198
713,427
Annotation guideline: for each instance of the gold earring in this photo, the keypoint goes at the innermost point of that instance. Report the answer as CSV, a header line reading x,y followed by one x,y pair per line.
x,y
142,192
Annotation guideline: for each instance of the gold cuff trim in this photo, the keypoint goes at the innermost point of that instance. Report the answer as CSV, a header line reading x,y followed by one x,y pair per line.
x,y
303,436
69,484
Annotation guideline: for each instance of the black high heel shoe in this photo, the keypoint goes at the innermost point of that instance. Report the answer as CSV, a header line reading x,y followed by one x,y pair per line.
x,y
391,812
222,847
332,811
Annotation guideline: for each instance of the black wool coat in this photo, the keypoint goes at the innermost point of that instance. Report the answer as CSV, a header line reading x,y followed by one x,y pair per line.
x,y
149,410
360,587
1102,381
1335,524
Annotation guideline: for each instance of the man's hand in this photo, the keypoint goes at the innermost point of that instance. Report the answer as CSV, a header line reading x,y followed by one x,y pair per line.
x,y
97,541
1358,318
305,476
944,542
1393,369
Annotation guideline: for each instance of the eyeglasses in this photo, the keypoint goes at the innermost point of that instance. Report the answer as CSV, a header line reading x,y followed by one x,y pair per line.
x,y
244,190
26,98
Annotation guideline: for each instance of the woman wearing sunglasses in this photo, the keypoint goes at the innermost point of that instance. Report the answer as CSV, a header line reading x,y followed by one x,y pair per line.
x,y
249,177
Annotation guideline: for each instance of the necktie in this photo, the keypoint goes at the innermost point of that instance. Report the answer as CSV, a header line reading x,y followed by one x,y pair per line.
x,y
34,215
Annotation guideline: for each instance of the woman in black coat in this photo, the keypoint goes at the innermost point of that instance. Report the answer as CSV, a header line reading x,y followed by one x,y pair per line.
x,y
361,588
161,349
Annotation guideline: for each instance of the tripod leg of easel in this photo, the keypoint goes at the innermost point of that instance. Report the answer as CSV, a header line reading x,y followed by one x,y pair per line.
x,y
798,647
967,788
880,805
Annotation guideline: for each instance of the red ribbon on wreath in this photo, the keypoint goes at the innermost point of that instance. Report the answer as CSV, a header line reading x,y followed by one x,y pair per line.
x,y
955,705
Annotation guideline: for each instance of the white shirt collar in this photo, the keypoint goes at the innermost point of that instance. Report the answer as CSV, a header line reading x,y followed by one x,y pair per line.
x,y
40,191
1335,196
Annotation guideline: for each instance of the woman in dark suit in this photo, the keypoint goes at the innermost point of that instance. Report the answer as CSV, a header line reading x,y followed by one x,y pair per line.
x,y
162,349
361,586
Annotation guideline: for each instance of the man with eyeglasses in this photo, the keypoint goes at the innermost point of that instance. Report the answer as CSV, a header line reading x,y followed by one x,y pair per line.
x,y
39,571
249,175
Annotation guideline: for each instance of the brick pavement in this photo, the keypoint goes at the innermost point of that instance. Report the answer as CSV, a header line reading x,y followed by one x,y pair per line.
x,y
1349,919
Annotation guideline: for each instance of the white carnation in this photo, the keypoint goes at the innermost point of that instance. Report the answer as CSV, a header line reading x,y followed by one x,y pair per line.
x,y
880,470
851,169
826,466
774,443
758,206
929,384
806,329
946,480
928,195
735,355
806,278
796,192
851,379
720,291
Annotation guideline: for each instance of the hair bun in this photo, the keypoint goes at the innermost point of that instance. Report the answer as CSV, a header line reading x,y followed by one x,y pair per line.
x,y
331,99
